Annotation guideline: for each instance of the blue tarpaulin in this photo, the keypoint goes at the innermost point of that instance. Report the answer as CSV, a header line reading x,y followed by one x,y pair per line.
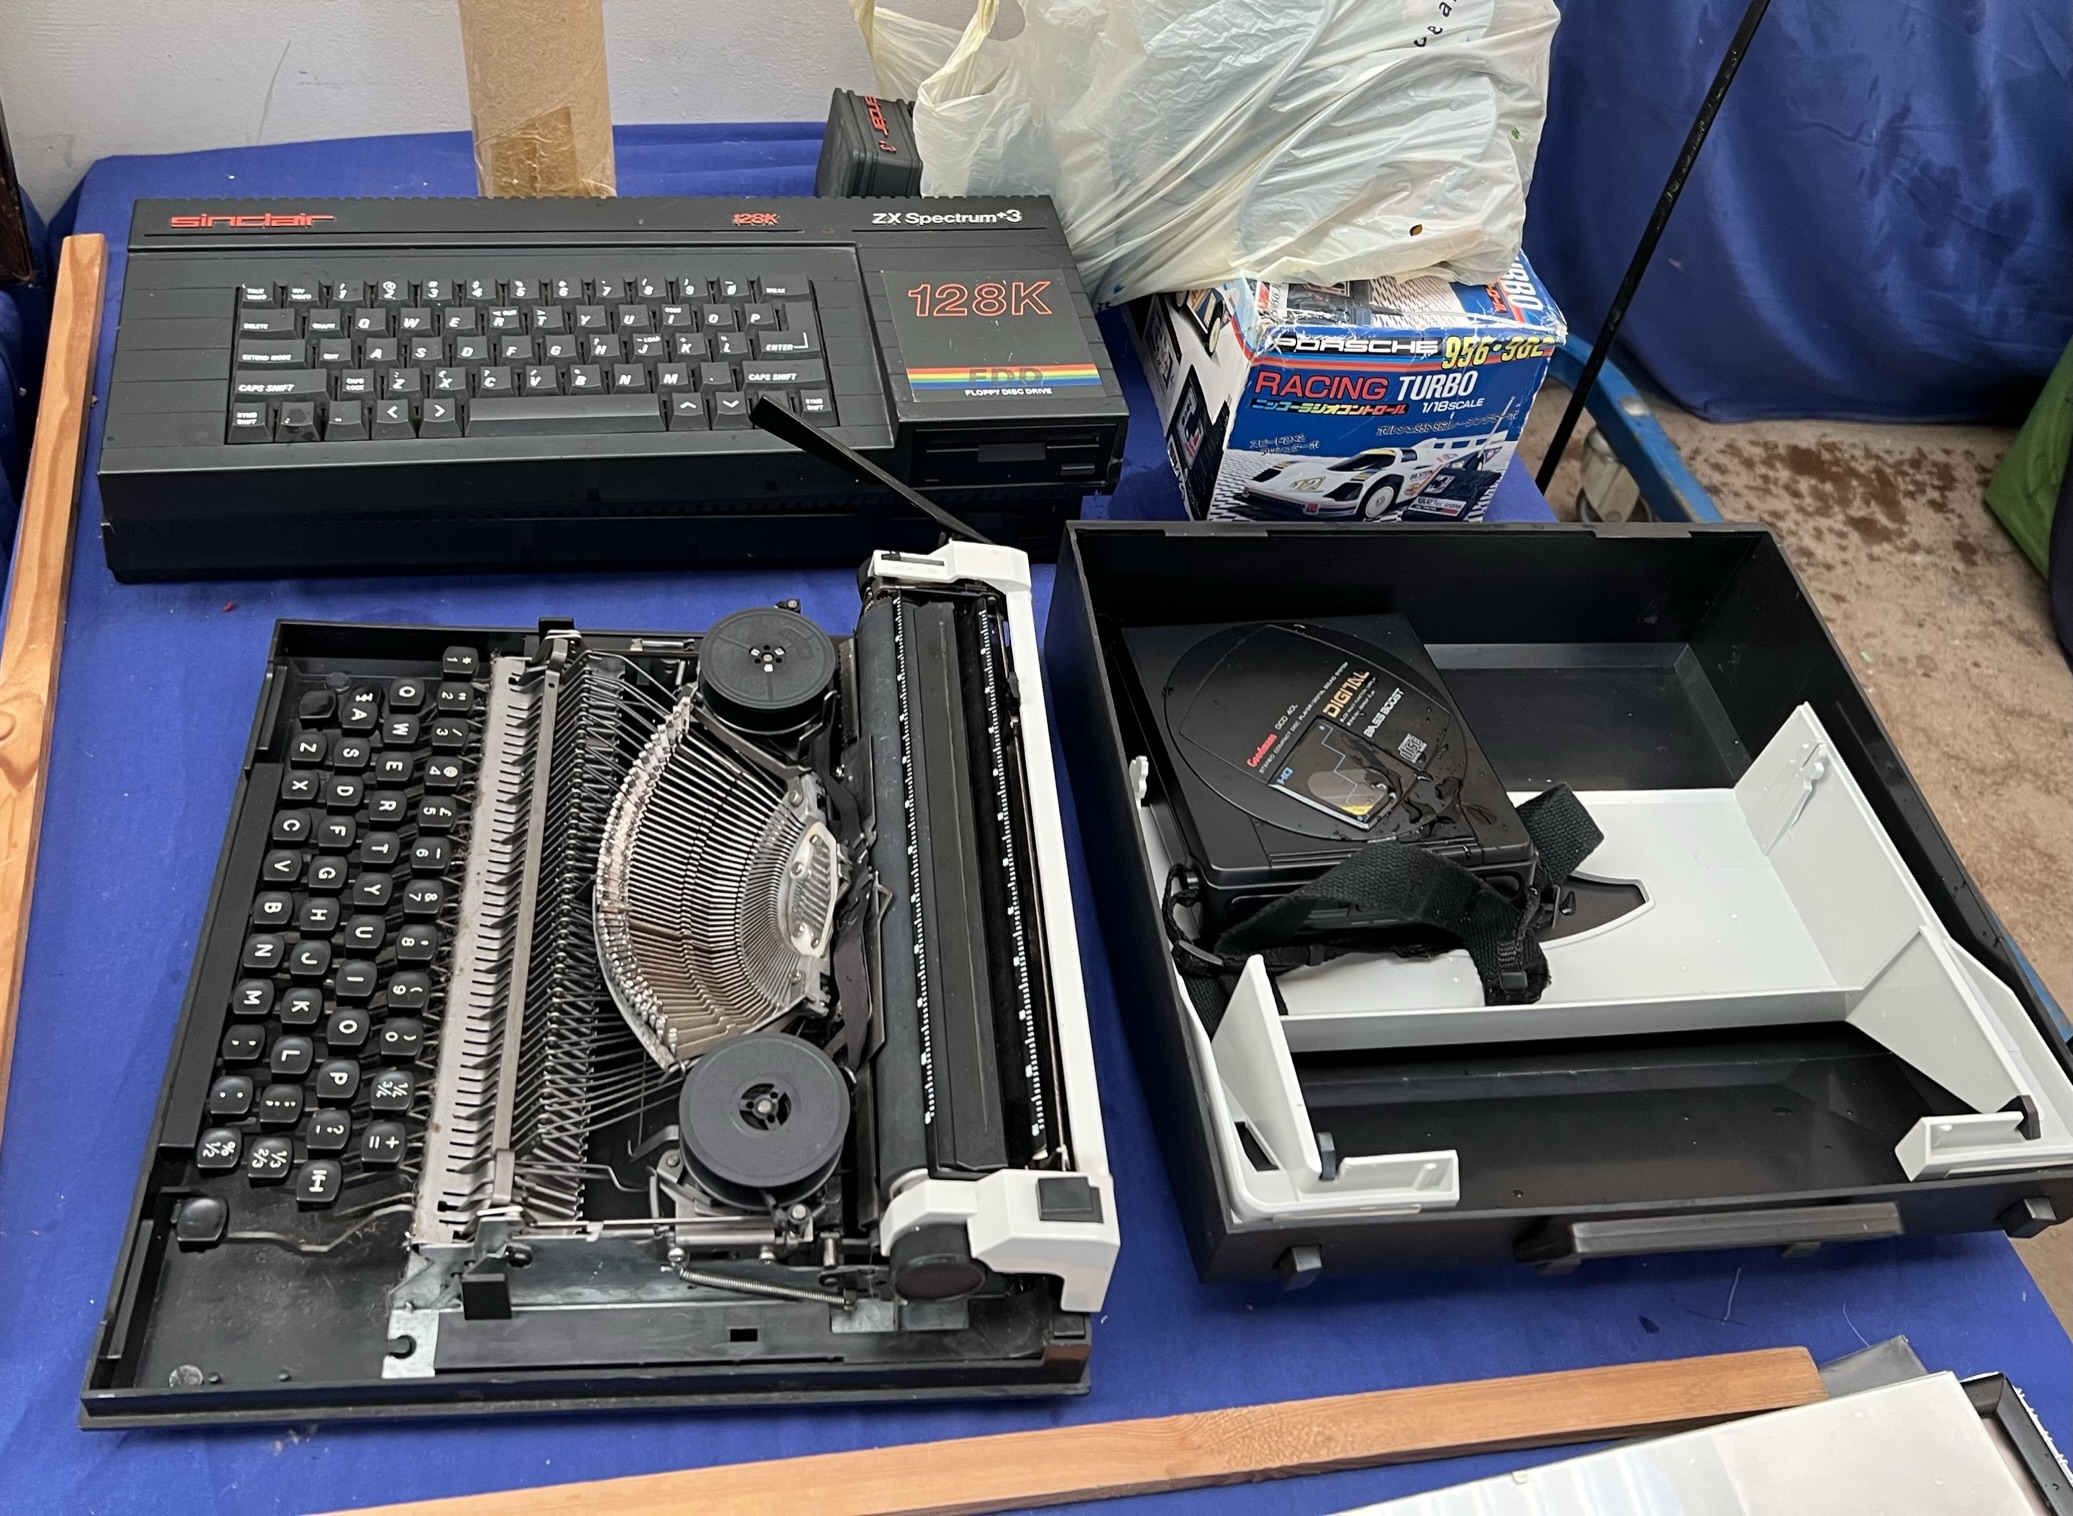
x,y
1880,226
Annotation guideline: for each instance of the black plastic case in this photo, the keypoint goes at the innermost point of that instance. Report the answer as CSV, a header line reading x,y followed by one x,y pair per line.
x,y
1606,657
868,148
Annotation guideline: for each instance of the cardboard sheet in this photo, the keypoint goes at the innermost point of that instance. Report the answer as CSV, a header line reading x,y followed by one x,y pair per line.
x,y
538,97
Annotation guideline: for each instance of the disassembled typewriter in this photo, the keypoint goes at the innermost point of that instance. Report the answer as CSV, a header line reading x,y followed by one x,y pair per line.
x,y
585,1019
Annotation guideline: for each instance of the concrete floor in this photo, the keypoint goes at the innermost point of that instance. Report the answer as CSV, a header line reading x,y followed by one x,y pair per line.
x,y
1947,627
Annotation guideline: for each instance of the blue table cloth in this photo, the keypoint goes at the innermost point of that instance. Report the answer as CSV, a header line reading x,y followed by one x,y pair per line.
x,y
153,710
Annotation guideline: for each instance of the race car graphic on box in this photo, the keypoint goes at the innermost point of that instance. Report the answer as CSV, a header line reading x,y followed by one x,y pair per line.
x,y
1445,478
1376,400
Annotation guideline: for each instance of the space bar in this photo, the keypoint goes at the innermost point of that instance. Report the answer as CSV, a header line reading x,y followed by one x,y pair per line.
x,y
562,415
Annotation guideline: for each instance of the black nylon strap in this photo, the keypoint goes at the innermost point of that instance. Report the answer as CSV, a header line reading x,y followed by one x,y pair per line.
x,y
1562,830
1418,887
1210,995
1413,886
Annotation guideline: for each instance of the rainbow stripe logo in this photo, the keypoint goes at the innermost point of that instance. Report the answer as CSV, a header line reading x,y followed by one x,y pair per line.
x,y
1018,376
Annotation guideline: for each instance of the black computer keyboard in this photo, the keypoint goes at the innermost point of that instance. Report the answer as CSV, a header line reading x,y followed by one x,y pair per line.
x,y
396,359
346,891
412,385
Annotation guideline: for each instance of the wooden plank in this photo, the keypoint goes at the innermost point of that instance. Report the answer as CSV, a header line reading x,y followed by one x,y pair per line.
x,y
35,630
1163,1453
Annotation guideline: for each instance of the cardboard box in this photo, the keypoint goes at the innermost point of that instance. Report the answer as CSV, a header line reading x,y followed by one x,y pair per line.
x,y
1378,400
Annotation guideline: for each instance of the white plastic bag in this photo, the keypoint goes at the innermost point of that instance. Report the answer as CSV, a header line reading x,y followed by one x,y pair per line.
x,y
1187,142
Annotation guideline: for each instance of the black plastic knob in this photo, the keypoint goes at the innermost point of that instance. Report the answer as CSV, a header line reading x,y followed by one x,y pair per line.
x,y
934,1262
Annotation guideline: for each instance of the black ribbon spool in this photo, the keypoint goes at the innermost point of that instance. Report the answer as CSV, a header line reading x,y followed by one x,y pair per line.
x,y
766,669
763,1119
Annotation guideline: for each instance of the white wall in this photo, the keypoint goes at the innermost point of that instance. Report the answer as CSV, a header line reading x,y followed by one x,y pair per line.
x,y
81,79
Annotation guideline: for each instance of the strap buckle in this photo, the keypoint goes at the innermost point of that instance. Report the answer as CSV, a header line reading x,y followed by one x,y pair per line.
x,y
1182,889
1513,982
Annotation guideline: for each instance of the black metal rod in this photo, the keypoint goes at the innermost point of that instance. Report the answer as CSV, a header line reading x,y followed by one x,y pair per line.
x,y
1666,202
808,438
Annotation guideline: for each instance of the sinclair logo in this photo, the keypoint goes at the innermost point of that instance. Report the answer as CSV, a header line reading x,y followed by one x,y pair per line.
x,y
258,219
